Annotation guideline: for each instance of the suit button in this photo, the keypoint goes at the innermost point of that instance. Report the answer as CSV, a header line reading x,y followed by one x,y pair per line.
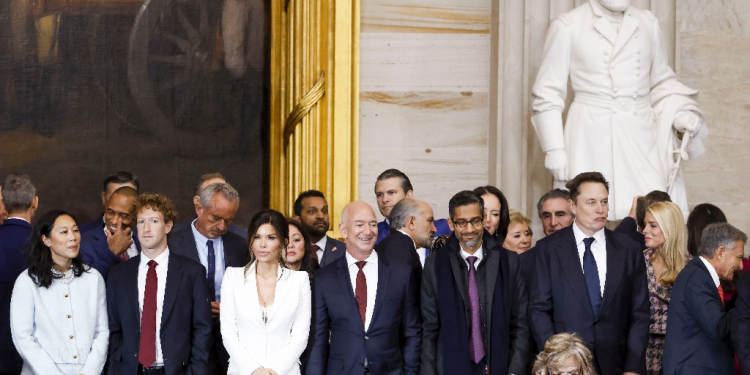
x,y
66,296
68,316
71,337
75,356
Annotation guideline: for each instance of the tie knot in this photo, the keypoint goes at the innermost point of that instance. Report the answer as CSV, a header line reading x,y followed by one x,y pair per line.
x,y
152,264
361,264
314,247
210,244
471,260
588,241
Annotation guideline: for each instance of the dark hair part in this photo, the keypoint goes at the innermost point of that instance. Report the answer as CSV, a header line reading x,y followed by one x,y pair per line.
x,y
552,194
206,177
18,193
645,202
574,185
279,224
391,173
465,198
502,228
40,255
309,264
702,215
158,203
121,177
302,196
719,234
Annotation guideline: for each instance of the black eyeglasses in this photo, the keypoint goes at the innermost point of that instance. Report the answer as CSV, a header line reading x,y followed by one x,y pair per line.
x,y
475,222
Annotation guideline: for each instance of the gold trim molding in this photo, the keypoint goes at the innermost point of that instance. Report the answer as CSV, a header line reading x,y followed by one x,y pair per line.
x,y
310,38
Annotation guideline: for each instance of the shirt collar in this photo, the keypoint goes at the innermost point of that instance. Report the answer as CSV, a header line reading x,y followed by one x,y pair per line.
x,y
17,218
322,243
407,235
373,258
161,259
712,271
479,253
580,236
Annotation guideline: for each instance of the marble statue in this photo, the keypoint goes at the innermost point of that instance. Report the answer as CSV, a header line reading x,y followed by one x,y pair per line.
x,y
629,113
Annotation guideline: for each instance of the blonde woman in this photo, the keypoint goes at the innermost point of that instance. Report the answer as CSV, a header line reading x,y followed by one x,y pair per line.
x,y
519,234
564,354
665,255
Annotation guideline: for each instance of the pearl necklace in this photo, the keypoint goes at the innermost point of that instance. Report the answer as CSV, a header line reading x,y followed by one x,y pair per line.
x,y
64,277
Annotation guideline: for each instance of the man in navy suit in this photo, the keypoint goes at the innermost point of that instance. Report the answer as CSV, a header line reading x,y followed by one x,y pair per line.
x,y
203,181
366,305
19,198
209,242
159,314
114,242
592,281
111,183
311,210
390,188
698,328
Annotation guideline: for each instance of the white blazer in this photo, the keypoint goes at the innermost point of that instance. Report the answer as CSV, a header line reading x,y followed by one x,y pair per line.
x,y
250,342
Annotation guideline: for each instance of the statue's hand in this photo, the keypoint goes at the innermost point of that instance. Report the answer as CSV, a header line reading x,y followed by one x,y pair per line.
x,y
556,163
686,122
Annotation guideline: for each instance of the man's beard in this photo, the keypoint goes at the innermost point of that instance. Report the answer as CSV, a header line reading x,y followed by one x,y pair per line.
x,y
615,5
471,243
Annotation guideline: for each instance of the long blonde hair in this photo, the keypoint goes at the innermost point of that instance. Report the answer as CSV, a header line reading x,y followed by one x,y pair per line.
x,y
674,252
558,349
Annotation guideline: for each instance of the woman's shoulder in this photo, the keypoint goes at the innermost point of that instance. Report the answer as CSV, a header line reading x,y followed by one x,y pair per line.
x,y
234,272
298,276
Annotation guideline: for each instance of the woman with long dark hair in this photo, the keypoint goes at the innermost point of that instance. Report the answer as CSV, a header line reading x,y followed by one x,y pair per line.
x,y
299,255
58,312
265,306
496,213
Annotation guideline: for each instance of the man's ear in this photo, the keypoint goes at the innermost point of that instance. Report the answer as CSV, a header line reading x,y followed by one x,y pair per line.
x,y
410,194
720,253
411,223
104,198
35,203
572,207
450,225
198,207
169,227
342,230
295,217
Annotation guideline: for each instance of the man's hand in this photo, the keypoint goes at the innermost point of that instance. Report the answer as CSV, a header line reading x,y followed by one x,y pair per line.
x,y
120,241
556,163
215,309
634,206
686,122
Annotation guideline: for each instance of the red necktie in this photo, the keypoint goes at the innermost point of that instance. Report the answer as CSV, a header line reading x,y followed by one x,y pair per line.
x,y
314,252
147,346
124,256
360,293
721,294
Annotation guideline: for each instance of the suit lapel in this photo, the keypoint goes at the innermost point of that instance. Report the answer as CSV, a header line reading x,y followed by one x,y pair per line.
x,y
174,277
458,265
491,268
629,26
131,285
570,262
283,286
345,282
605,28
187,242
615,265
330,247
384,275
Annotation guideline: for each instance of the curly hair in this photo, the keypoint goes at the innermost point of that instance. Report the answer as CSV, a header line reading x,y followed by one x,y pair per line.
x,y
158,203
558,349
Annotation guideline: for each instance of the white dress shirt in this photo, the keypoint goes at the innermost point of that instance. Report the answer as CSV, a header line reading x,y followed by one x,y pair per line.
x,y
371,277
321,248
479,254
712,271
598,248
62,329
201,243
162,262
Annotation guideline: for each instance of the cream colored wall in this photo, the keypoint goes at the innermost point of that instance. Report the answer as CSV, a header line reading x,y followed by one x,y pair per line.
x,y
454,77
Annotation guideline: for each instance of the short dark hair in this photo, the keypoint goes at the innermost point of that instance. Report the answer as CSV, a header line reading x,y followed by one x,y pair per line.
x,y
302,196
158,203
552,194
502,228
645,202
40,255
719,234
464,198
121,177
391,173
18,193
574,185
207,177
702,215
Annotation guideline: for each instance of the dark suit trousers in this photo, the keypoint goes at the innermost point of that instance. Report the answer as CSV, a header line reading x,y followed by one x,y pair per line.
x,y
218,361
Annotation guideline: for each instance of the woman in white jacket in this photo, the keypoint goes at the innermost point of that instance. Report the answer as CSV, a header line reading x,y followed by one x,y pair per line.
x,y
58,311
265,306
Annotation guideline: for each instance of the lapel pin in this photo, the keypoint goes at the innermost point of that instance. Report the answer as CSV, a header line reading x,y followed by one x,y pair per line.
x,y
334,248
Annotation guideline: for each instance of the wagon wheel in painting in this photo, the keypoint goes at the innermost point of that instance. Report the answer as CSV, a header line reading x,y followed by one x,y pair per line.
x,y
178,80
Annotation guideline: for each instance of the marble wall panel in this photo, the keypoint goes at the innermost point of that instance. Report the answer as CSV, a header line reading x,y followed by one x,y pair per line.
x,y
412,18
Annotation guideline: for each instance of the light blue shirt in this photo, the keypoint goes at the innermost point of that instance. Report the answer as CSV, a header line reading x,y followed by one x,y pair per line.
x,y
201,243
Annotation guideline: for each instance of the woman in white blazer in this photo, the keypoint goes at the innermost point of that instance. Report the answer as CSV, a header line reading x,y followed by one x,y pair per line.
x,y
265,306
58,311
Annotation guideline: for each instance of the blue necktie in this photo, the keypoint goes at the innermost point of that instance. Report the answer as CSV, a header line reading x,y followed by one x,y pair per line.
x,y
591,273
211,270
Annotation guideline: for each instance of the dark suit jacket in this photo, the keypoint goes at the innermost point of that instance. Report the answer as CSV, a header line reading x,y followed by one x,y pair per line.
x,y
14,239
697,340
185,320
443,229
96,253
496,261
395,320
399,248
334,250
740,332
97,223
559,301
629,227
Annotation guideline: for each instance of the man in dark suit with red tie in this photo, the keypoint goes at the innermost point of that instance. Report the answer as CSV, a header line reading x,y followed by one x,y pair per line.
x,y
591,281
157,301
311,210
366,305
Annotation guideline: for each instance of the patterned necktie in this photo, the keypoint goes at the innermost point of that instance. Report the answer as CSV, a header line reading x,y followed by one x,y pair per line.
x,y
721,295
360,293
211,270
147,345
591,274
314,252
476,345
